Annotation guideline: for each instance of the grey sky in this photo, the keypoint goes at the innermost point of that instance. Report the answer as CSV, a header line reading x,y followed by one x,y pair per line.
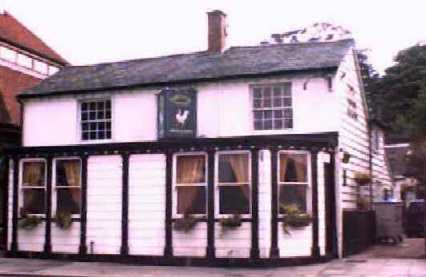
x,y
94,31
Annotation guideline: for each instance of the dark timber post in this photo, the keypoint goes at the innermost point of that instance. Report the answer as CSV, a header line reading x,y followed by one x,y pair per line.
x,y
83,224
254,252
210,205
330,212
274,252
48,236
5,204
314,171
124,250
14,244
168,249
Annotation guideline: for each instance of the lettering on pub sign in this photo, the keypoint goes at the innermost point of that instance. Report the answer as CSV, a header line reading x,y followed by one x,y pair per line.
x,y
177,113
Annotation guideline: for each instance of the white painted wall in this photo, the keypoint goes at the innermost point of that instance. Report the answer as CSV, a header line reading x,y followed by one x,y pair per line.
x,y
233,243
104,192
265,199
147,187
66,241
353,137
381,170
224,109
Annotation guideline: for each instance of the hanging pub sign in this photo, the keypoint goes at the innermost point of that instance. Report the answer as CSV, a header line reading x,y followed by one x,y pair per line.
x,y
177,113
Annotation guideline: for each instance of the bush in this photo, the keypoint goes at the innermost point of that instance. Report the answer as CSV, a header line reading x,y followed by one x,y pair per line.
x,y
231,222
186,223
63,220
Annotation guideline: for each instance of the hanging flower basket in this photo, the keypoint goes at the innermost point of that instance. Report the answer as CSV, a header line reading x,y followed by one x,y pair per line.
x,y
185,224
294,218
63,220
362,204
362,178
231,222
346,157
29,222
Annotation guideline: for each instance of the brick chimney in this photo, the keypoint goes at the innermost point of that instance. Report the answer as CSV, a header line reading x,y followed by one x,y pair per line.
x,y
217,31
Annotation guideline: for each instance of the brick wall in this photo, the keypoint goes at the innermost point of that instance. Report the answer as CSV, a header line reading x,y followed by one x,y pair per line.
x,y
11,84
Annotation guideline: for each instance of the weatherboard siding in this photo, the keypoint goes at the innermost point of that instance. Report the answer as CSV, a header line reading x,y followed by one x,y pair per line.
x,y
353,138
66,241
381,171
104,190
353,133
147,204
265,199
224,109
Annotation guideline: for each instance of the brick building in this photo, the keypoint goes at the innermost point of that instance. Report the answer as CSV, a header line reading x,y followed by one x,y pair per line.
x,y
25,60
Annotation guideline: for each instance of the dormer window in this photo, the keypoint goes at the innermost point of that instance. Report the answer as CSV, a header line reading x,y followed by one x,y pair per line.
x,y
95,119
272,107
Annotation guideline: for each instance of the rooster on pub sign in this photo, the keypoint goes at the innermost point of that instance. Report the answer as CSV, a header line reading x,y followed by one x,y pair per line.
x,y
179,113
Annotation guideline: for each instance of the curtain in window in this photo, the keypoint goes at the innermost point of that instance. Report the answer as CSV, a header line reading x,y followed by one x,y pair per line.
x,y
239,165
283,167
190,170
33,174
293,168
72,174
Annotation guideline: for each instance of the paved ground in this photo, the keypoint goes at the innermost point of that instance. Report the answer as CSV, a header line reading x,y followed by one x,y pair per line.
x,y
349,267
408,248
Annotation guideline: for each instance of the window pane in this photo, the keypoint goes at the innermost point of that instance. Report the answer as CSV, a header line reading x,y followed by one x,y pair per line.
x,y
277,91
293,167
293,195
272,100
234,199
278,114
34,202
96,118
278,124
257,93
277,102
258,115
233,168
286,102
190,169
288,123
258,125
68,173
267,124
267,92
191,200
33,174
68,200
267,102
257,103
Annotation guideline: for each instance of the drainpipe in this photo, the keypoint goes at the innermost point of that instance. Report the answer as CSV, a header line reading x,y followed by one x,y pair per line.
x,y
370,166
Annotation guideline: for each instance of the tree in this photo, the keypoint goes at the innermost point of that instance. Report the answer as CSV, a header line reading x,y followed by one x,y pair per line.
x,y
396,93
370,78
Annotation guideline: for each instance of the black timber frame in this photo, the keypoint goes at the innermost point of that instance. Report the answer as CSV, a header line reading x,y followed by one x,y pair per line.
x,y
309,142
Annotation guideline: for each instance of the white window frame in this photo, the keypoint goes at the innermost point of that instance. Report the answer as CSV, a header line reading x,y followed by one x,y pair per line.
x,y
176,185
253,109
218,184
55,187
79,121
308,182
22,188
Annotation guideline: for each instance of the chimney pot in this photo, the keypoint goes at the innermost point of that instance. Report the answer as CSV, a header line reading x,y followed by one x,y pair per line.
x,y
216,31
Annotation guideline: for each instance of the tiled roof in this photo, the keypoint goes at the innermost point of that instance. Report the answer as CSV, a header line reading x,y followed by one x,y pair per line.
x,y
200,66
13,32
